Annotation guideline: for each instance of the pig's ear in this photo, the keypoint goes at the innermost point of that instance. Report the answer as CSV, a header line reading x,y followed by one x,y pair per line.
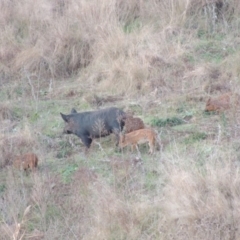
x,y
65,117
73,110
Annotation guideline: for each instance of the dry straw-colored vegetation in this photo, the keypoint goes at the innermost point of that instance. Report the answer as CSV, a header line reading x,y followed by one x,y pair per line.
x,y
161,60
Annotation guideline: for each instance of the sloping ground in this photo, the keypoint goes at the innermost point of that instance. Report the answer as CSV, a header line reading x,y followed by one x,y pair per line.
x,y
160,65
115,195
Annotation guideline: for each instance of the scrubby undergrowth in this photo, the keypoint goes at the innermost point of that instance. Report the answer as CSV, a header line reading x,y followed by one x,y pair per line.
x,y
160,60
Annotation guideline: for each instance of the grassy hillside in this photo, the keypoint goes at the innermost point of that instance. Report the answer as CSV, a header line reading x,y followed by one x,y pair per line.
x,y
160,60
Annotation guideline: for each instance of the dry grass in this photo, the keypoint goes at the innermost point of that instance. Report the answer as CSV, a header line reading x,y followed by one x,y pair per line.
x,y
159,59
6,112
203,203
12,145
115,46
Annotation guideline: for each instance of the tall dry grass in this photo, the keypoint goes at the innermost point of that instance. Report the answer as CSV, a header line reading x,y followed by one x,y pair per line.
x,y
188,202
111,44
204,206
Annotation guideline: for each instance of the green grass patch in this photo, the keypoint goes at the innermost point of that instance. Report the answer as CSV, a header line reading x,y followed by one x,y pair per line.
x,y
68,171
2,188
151,181
17,112
213,51
185,127
158,122
65,149
136,108
209,113
3,95
132,26
197,136
34,117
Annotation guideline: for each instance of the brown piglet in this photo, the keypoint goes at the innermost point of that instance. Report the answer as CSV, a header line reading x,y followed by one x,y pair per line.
x,y
26,161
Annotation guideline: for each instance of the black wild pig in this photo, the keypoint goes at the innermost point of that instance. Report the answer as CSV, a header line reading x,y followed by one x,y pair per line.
x,y
94,124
